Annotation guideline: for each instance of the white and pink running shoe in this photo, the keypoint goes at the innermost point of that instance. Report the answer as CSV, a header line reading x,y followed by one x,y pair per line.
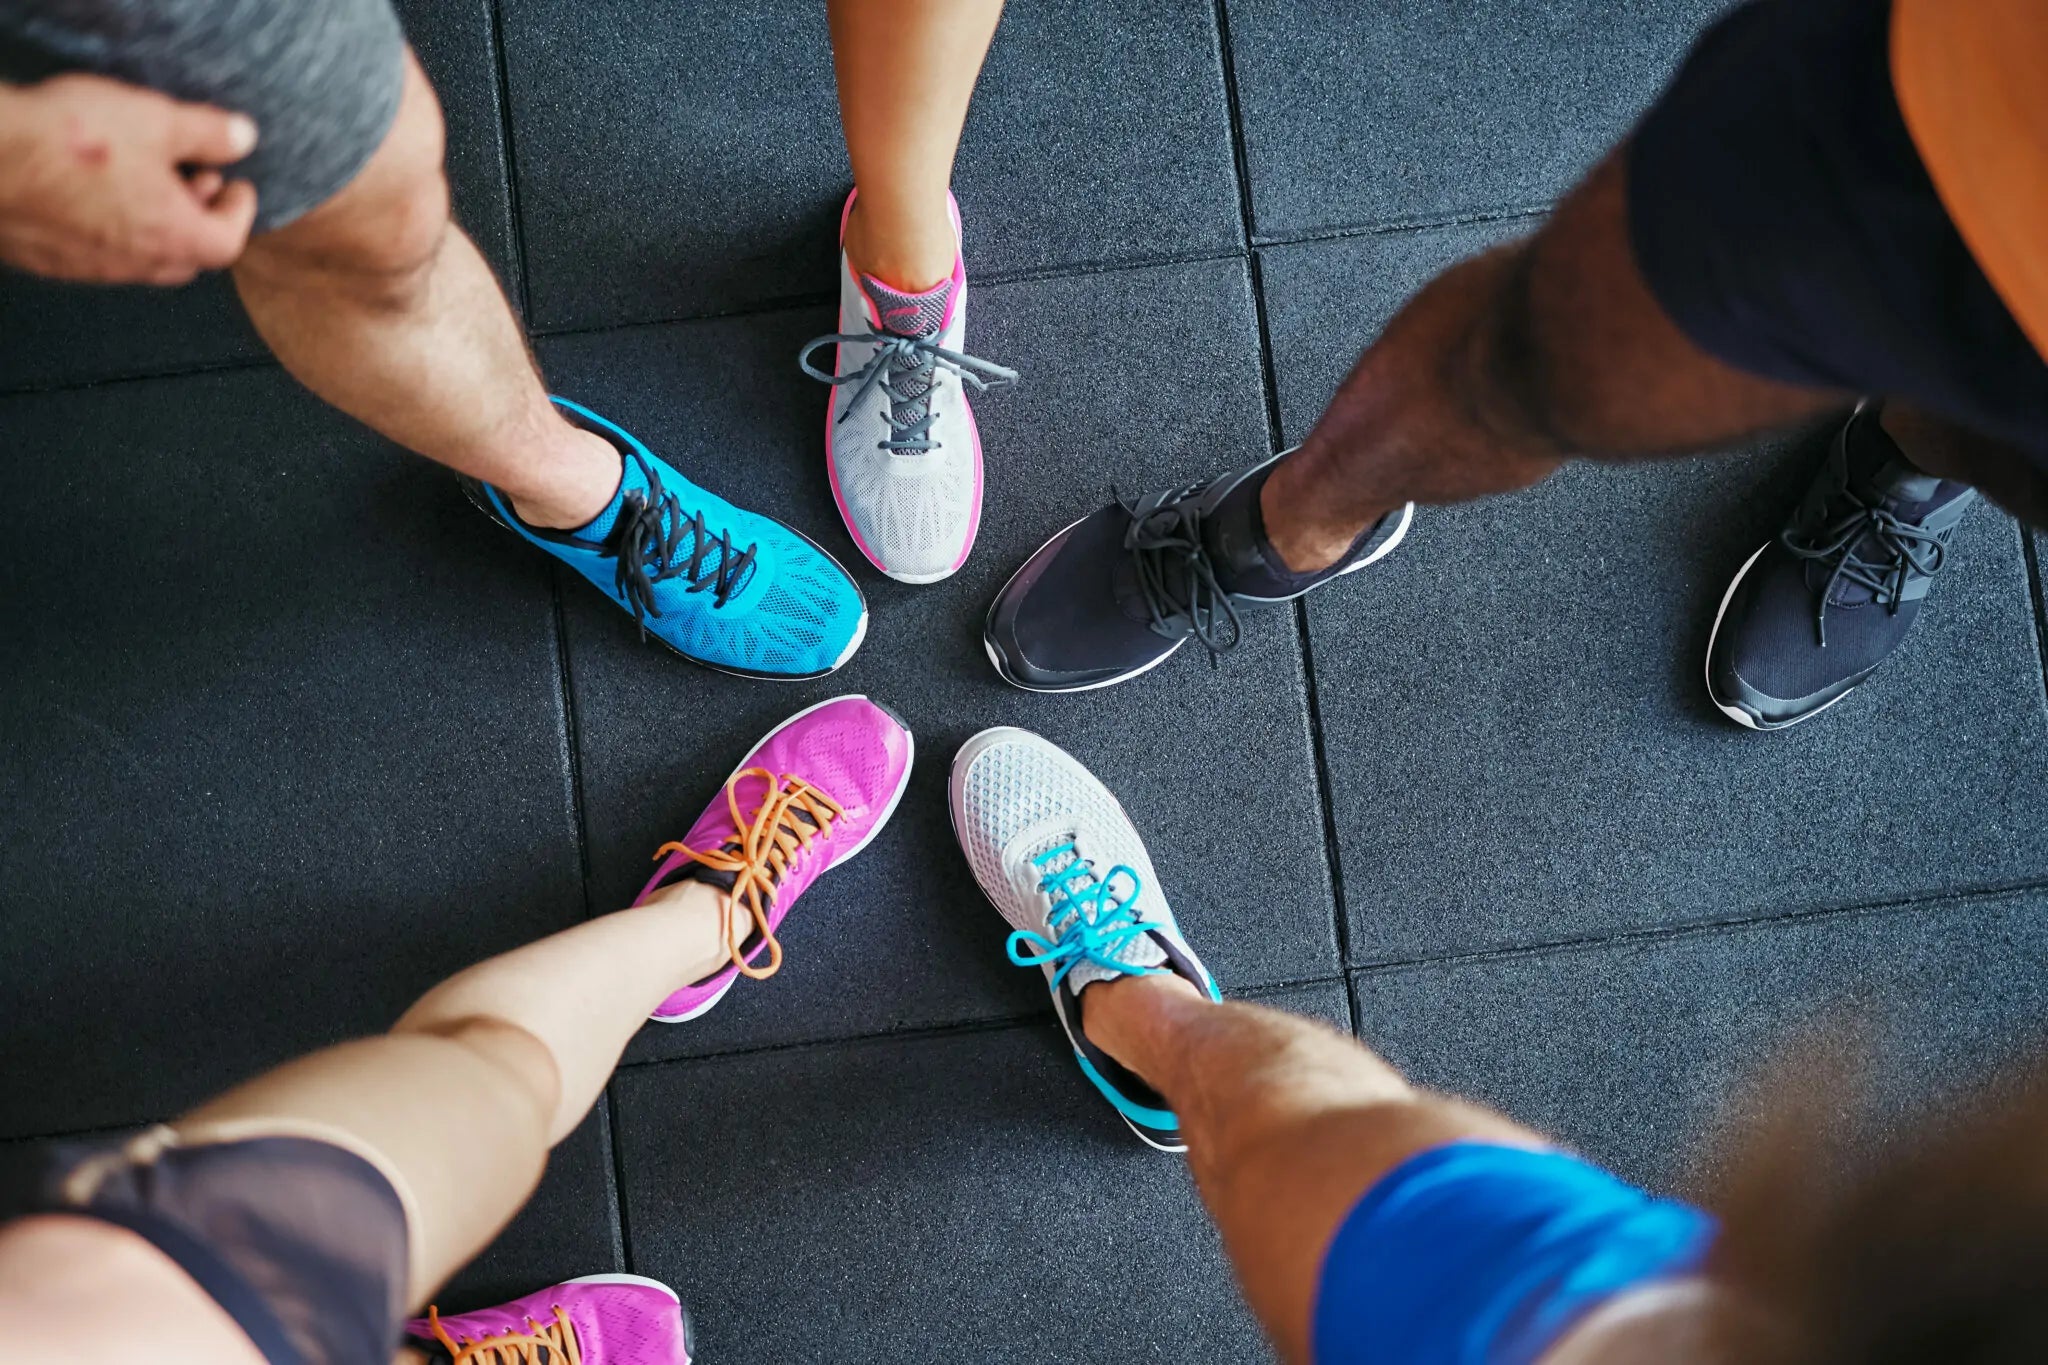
x,y
900,441
812,794
597,1320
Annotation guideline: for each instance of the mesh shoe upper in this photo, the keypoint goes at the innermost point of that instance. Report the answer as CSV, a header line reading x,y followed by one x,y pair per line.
x,y
1026,812
789,610
1821,606
1058,857
610,1320
900,439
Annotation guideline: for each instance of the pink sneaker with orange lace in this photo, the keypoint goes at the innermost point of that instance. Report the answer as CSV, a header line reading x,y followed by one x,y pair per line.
x,y
812,794
597,1320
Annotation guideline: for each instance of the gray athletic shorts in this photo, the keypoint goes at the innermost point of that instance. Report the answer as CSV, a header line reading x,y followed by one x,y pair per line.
x,y
321,78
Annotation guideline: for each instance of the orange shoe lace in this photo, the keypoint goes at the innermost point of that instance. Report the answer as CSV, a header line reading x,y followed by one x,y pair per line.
x,y
767,843
552,1343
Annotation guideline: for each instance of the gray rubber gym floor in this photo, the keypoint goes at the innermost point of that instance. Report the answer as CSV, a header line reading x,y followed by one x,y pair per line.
x,y
288,732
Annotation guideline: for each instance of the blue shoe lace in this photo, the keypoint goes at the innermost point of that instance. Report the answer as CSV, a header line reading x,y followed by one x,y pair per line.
x,y
647,538
904,368
1091,918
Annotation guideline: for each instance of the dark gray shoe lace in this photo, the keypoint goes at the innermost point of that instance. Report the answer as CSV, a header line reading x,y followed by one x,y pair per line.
x,y
645,539
1905,549
905,369
1174,571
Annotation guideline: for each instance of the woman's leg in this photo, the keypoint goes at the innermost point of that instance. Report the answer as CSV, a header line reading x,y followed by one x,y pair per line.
x,y
906,71
466,1094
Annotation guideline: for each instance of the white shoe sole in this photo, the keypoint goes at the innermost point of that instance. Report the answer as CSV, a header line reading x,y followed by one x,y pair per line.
x,y
1736,713
888,812
962,760
627,1279
1386,547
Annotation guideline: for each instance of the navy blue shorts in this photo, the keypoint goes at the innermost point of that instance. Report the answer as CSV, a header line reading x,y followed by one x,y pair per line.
x,y
1481,1254
1781,215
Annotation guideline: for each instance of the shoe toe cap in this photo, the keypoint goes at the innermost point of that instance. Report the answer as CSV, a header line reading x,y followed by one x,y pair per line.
x,y
1057,624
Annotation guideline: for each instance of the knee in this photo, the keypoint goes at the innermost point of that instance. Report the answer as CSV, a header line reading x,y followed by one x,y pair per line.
x,y
379,236
1533,407
533,1079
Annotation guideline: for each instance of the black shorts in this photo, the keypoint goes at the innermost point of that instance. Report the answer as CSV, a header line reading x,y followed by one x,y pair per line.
x,y
1781,215
299,1233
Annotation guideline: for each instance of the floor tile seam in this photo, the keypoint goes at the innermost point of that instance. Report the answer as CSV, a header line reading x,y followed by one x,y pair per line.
x,y
1705,928
572,738
2032,558
1399,227
1239,158
263,362
786,303
509,157
1275,434
621,1160
957,1028
622,1226
1333,859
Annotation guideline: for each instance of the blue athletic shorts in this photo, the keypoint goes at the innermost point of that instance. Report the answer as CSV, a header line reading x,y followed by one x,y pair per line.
x,y
1480,1254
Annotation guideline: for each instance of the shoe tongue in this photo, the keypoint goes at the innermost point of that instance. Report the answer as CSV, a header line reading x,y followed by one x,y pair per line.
x,y
693,871
635,480
1139,950
1904,491
1879,475
905,314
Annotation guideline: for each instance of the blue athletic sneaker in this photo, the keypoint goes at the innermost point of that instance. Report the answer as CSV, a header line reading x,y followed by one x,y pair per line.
x,y
730,589
1056,854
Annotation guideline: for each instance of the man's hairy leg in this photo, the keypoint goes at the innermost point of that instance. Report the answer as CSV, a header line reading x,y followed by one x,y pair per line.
x,y
1504,366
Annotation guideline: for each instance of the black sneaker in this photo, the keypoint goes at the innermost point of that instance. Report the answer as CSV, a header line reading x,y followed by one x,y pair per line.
x,y
1814,612
1117,592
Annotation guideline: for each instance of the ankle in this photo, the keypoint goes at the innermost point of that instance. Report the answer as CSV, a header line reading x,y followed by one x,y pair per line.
x,y
910,251
1124,1012
709,929
1298,523
580,480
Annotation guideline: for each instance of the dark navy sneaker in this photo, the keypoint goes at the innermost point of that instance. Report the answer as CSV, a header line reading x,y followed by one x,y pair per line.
x,y
1118,592
1814,612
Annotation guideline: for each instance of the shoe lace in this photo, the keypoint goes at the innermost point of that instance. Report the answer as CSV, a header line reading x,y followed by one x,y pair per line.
x,y
1090,920
1838,545
647,541
770,841
904,369
551,1343
1175,573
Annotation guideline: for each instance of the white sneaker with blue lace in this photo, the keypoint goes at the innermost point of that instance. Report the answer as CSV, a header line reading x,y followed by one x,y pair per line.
x,y
1058,857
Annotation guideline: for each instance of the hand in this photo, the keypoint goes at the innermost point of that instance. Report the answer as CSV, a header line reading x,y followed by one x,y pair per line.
x,y
113,183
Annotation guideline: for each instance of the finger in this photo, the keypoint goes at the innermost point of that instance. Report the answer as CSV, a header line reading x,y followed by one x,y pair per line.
x,y
204,184
202,134
223,227
171,276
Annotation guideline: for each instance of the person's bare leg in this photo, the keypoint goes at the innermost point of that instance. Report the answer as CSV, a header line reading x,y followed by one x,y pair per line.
x,y
492,1067
1287,1123
906,72
377,302
1997,470
1504,366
